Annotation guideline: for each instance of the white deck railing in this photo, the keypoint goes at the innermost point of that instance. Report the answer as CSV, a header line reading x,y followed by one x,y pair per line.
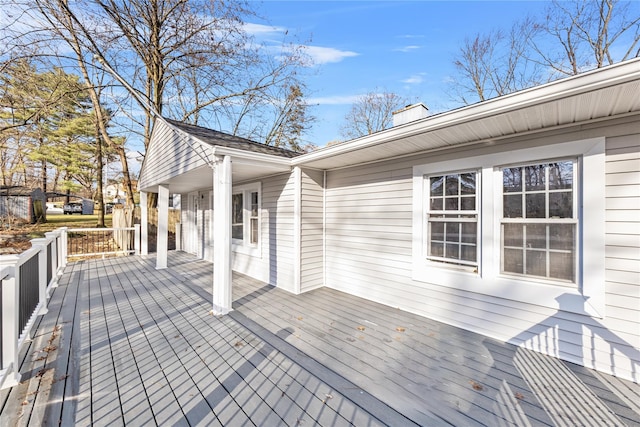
x,y
26,280
91,242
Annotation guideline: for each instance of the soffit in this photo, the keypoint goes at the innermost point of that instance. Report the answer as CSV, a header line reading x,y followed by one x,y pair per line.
x,y
582,99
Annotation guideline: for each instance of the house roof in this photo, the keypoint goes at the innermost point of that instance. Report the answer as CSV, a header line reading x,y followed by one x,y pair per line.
x,y
181,156
17,190
221,139
610,92
603,93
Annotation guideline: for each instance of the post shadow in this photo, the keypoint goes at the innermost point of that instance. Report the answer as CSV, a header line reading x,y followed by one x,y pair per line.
x,y
549,386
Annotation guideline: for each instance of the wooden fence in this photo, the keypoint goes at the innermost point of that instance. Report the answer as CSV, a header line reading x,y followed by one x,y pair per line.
x,y
127,217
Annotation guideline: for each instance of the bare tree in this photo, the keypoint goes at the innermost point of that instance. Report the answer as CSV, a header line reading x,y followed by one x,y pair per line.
x,y
64,25
495,64
572,36
586,34
195,53
371,112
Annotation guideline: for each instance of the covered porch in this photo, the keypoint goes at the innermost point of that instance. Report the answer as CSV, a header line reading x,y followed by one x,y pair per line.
x,y
124,343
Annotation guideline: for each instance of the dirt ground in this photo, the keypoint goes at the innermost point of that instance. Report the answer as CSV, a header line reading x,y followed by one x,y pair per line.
x,y
14,242
15,238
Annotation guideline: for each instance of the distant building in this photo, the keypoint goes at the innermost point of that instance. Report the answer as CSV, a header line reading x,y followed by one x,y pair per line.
x,y
22,203
115,193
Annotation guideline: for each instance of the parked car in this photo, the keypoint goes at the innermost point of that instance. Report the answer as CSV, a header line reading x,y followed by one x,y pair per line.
x,y
54,209
71,208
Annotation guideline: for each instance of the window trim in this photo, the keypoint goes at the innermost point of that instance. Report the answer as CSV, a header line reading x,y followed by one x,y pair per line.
x,y
244,245
585,298
443,262
576,219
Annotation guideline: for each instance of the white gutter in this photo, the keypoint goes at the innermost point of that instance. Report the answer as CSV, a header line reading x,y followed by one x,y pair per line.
x,y
250,157
583,83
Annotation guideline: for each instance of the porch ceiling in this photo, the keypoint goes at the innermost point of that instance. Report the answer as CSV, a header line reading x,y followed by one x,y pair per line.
x,y
202,177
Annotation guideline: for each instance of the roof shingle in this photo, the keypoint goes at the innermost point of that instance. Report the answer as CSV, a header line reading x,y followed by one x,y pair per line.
x,y
213,137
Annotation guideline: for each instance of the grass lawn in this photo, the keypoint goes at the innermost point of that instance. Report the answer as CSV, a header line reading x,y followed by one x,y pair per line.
x,y
72,221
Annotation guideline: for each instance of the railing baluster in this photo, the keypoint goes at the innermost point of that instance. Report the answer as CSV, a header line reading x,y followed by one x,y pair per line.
x,y
49,262
29,295
25,281
85,242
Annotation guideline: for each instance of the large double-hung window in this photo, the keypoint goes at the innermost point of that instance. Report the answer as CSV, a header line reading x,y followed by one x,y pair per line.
x,y
526,224
452,218
539,220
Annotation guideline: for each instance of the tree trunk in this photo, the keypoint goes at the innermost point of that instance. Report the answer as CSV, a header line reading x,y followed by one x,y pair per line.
x,y
100,193
43,176
126,176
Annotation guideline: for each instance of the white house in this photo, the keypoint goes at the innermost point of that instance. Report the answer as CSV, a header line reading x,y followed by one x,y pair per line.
x,y
517,217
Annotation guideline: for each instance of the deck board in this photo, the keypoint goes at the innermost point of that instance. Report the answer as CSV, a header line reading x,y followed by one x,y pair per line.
x,y
138,346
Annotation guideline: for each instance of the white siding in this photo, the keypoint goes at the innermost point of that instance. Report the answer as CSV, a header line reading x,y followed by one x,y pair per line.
x,y
278,194
622,260
189,220
369,243
311,233
205,244
184,221
169,156
274,264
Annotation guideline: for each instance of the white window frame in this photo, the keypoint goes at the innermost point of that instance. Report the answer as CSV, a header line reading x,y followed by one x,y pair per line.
x,y
241,221
443,261
244,245
574,220
587,295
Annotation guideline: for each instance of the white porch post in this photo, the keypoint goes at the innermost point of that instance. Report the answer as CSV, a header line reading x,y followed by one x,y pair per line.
x,y
41,245
162,239
144,224
222,188
9,314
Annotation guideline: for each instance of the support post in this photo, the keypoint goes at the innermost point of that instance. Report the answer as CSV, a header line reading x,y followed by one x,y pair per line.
x,y
52,236
144,224
41,245
60,264
64,248
297,230
162,239
136,239
222,275
9,313
178,236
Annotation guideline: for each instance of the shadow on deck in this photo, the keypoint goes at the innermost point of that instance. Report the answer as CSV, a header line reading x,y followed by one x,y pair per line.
x,y
125,344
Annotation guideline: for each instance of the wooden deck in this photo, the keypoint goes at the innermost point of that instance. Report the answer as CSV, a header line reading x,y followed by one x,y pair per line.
x,y
125,344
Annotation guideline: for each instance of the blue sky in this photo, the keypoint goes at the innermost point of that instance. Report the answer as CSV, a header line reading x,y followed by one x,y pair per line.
x,y
405,47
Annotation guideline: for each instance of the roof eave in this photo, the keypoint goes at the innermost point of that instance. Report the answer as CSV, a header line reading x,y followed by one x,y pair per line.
x,y
249,157
583,83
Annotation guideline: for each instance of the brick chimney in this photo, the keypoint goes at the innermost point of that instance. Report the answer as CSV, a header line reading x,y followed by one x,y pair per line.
x,y
410,113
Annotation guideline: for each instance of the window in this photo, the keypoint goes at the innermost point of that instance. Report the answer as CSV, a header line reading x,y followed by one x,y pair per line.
x,y
245,215
452,218
253,217
524,224
539,220
237,216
